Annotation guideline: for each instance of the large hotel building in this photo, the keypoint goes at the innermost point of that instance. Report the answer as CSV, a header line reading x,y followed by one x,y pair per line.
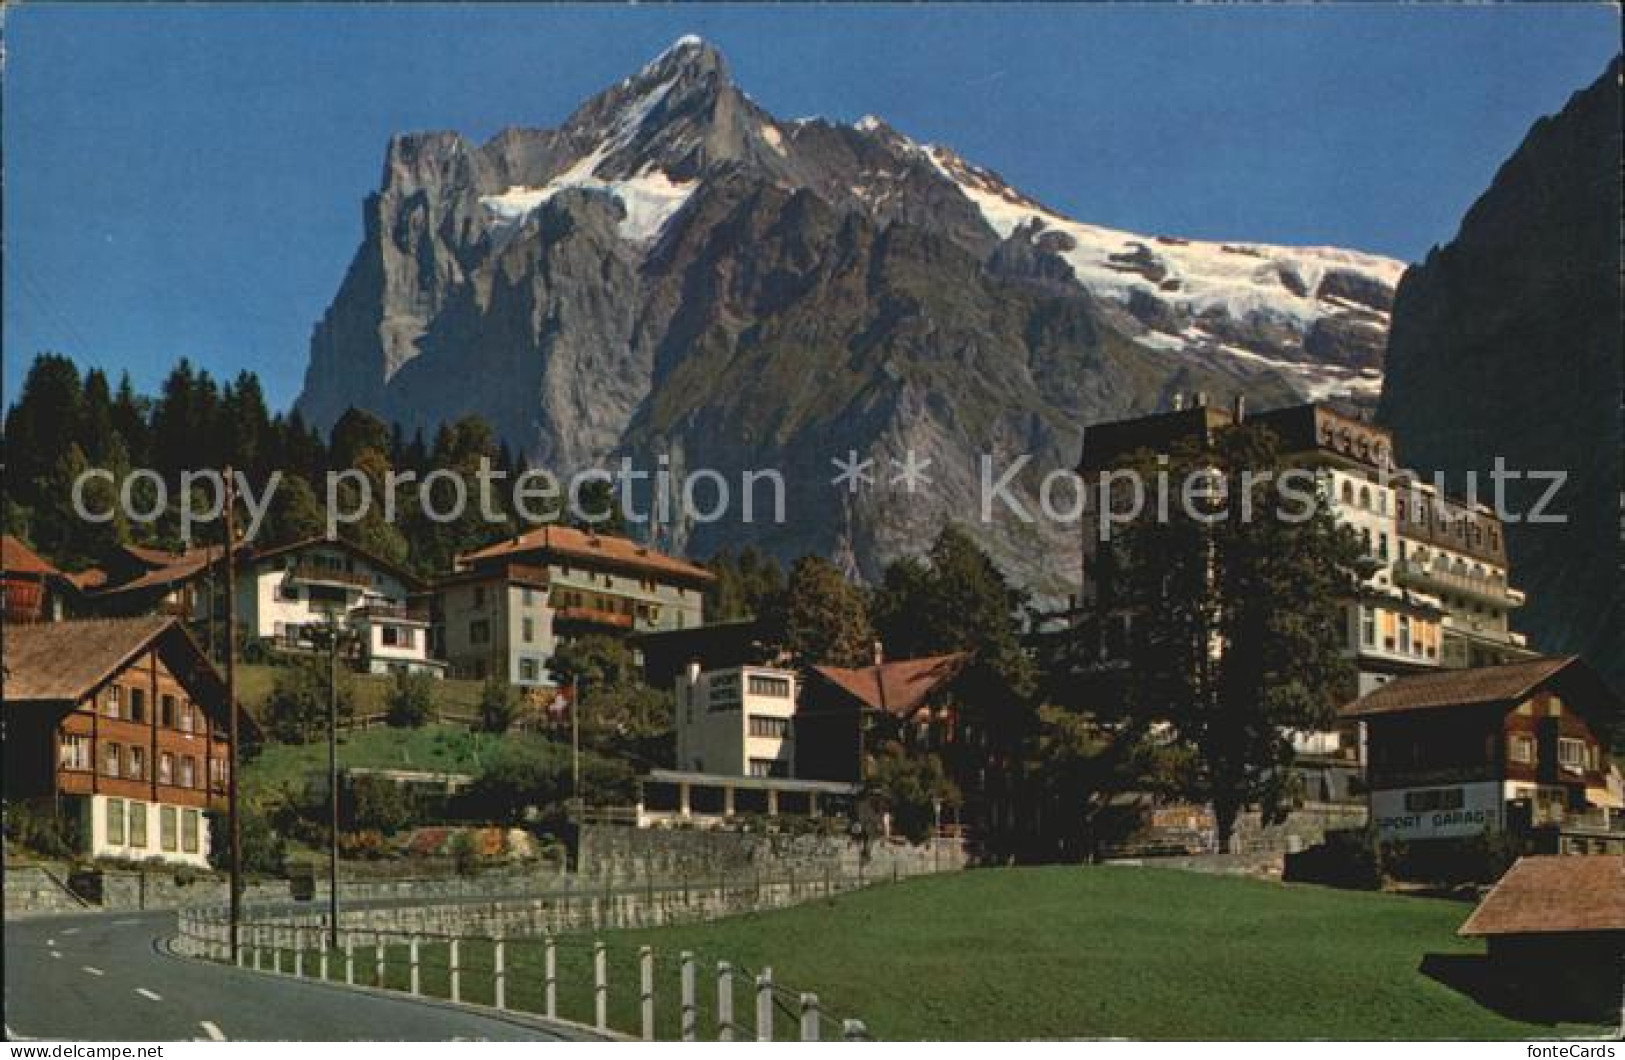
x,y
1438,595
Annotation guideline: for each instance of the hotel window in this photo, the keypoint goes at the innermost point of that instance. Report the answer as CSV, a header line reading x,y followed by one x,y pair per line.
x,y
290,591
166,768
137,763
188,772
189,827
217,773
767,767
1521,748
527,596
769,728
527,669
166,711
770,686
1365,497
1571,754
186,716
110,759
75,752
1382,546
1348,493
166,827
529,630
115,822
1368,626
110,701
1405,634
138,824
138,705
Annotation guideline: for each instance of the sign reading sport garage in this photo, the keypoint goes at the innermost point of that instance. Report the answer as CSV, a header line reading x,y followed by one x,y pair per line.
x,y
1437,813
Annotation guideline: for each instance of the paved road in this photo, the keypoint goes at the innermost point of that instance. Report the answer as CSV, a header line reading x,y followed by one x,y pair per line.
x,y
105,977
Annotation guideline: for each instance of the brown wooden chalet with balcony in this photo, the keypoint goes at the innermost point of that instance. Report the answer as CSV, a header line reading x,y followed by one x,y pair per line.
x,y
845,714
1520,748
119,727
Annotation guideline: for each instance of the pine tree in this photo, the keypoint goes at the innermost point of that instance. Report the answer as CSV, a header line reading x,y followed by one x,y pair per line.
x,y
1238,622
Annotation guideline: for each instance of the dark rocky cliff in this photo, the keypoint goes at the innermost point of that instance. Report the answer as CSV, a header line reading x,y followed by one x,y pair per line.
x,y
1507,342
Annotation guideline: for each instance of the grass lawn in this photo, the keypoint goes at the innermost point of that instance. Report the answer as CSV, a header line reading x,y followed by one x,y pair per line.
x,y
1048,953
451,694
440,748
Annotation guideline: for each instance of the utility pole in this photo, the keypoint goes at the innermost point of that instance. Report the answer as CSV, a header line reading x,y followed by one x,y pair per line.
x,y
232,800
331,636
575,747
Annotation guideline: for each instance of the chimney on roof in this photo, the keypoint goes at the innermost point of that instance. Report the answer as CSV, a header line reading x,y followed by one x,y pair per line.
x,y
1179,401
1241,407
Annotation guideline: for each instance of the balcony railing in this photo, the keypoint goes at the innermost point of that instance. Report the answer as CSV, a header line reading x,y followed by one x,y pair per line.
x,y
392,613
306,571
594,616
1490,590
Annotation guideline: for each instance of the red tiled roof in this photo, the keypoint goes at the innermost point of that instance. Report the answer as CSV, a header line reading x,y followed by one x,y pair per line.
x,y
570,543
1547,895
181,566
1457,688
87,580
18,558
907,682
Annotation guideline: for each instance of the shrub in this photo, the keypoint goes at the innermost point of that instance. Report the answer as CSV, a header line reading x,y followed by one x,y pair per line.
x,y
296,710
411,700
499,705
465,853
378,804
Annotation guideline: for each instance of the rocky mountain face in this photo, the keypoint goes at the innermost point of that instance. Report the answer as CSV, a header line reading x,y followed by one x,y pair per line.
x,y
673,271
1506,342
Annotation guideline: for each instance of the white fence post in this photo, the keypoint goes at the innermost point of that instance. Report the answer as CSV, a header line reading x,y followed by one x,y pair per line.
x,y
349,958
276,950
600,986
378,953
689,1007
725,1002
764,1006
456,972
299,952
499,988
809,1017
417,982
646,987
550,978
321,963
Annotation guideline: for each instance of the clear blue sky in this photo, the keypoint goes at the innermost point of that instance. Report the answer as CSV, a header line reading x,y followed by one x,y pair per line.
x,y
188,180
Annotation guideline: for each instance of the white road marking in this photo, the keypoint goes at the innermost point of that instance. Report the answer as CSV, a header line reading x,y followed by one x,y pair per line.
x,y
92,971
50,942
57,955
212,1031
70,931
148,994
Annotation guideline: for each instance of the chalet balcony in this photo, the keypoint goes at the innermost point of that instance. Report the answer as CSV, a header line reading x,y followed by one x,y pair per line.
x,y
321,574
1489,590
391,613
592,616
